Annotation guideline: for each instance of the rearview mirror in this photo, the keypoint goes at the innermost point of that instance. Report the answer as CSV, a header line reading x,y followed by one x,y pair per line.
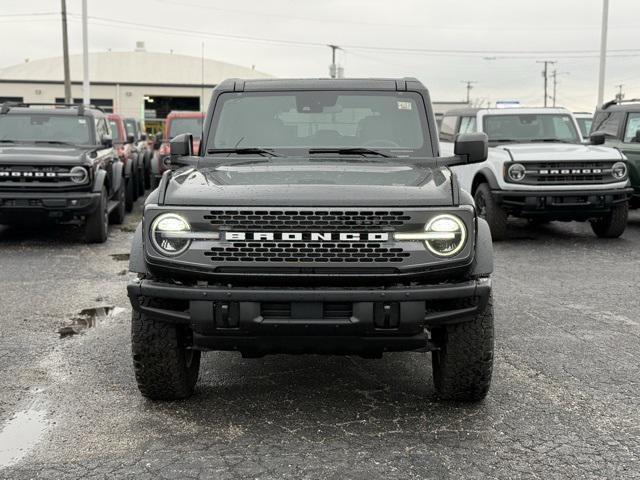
x,y
107,141
474,147
599,137
181,145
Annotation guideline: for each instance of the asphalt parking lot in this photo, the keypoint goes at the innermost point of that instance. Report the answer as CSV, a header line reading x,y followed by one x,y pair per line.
x,y
564,402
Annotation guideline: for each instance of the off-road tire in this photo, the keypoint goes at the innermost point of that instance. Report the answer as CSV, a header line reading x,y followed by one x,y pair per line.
x,y
118,213
97,224
129,194
165,369
141,188
489,209
147,170
612,225
463,365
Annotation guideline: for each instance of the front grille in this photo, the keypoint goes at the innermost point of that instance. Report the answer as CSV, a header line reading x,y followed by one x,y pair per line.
x,y
304,220
305,252
25,176
568,173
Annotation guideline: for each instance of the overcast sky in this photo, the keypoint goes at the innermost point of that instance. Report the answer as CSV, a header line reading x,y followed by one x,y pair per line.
x,y
483,40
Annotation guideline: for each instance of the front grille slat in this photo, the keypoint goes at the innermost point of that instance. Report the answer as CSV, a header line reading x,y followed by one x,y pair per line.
x,y
18,176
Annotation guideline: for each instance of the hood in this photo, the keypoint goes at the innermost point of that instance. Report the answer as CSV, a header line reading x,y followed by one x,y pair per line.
x,y
41,154
311,182
535,152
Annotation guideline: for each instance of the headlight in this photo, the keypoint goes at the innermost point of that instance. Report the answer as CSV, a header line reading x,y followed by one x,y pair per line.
x,y
619,170
79,175
444,235
516,172
170,234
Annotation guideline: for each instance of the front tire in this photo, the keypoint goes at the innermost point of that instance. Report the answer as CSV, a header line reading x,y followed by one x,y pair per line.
x,y
613,224
129,194
491,211
165,369
463,365
97,224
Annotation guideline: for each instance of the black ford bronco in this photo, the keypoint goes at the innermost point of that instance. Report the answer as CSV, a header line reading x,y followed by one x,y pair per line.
x,y
57,163
319,217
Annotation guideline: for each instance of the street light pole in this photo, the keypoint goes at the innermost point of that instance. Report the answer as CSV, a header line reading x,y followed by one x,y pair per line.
x,y
65,54
86,94
603,50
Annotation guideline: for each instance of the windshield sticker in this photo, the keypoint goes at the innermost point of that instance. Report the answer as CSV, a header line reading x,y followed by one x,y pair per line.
x,y
404,106
82,121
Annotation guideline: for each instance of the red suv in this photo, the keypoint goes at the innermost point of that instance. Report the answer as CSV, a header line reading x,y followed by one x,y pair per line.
x,y
177,122
124,146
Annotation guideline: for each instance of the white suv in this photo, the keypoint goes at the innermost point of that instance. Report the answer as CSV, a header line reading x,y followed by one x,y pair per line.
x,y
539,168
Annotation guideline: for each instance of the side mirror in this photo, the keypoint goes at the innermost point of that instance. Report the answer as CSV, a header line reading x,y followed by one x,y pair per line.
x,y
143,136
107,141
157,141
130,138
181,145
472,147
598,138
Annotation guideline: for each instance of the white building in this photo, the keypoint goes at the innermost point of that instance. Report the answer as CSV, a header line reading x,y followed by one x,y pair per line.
x,y
135,84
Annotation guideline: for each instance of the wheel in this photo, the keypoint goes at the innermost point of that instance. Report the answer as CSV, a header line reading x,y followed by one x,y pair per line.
x,y
164,368
128,194
140,182
493,213
118,213
97,224
613,224
147,171
463,365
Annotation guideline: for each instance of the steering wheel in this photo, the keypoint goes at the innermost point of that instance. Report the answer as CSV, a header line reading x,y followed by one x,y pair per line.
x,y
382,143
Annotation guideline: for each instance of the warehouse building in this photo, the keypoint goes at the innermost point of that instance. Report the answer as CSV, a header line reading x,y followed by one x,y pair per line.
x,y
136,84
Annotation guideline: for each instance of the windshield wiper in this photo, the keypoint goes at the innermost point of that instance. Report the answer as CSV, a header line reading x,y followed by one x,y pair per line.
x,y
546,140
348,151
245,151
7,141
503,140
53,142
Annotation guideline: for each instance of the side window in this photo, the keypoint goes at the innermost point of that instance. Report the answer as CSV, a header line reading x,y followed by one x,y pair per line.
x,y
467,125
448,128
631,129
608,122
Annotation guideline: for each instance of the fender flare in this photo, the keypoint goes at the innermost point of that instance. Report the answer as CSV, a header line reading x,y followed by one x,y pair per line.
x,y
489,175
136,256
99,181
483,261
117,175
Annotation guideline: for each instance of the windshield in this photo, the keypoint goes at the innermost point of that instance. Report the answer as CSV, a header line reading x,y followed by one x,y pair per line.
x,y
530,128
585,126
115,131
130,127
392,122
180,125
27,127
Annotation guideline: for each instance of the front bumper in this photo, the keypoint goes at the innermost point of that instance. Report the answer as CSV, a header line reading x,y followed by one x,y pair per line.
x,y
256,321
53,204
562,204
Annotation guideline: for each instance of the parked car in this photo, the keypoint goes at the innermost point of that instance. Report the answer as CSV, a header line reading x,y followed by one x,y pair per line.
x,y
584,119
335,233
539,168
58,164
619,122
176,123
123,144
132,128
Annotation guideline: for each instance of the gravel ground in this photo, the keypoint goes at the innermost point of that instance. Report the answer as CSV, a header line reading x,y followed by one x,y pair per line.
x,y
564,402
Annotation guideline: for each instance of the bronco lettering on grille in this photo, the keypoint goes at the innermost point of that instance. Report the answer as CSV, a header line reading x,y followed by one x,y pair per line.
x,y
307,236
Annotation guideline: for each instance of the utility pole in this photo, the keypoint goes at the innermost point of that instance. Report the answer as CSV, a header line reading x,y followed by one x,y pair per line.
x,y
603,50
65,54
333,68
545,74
86,94
469,88
620,94
554,75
